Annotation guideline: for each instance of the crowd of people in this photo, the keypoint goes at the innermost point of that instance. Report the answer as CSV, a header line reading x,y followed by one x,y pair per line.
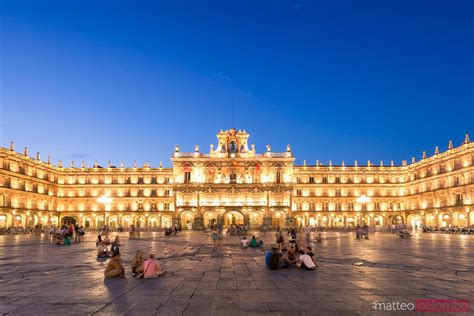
x,y
66,234
141,268
449,230
362,232
288,257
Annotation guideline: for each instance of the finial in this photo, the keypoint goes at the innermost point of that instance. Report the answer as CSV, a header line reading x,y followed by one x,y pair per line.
x,y
381,163
25,151
355,163
49,160
424,155
135,163
176,148
288,148
96,164
466,139
161,165
12,146
413,160
83,164
196,148
404,163
60,163
368,163
343,164
330,163
436,150
304,162
212,147
38,156
317,163
121,163
108,164
450,145
147,164
253,147
72,163
268,148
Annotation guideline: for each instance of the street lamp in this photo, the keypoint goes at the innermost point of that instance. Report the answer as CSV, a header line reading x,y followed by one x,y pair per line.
x,y
104,200
363,199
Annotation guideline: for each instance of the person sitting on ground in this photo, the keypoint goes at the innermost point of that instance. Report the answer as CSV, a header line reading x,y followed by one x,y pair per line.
x,y
244,243
106,240
115,247
309,252
267,257
284,260
67,240
274,260
99,240
290,254
102,251
255,243
305,262
319,238
137,263
151,268
114,267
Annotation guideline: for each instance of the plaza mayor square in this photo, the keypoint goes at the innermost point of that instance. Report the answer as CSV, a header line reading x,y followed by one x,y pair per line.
x,y
236,157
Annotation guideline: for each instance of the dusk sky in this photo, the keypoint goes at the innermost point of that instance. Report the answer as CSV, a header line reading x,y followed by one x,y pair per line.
x,y
352,80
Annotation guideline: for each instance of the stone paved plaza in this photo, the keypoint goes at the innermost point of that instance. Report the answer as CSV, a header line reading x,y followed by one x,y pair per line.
x,y
37,277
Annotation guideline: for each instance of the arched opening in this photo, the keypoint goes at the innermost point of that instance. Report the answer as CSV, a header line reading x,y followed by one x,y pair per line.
x,y
255,219
233,218
113,221
414,221
68,220
397,220
153,221
17,220
210,218
278,219
300,220
445,219
3,220
187,220
338,221
350,221
127,221
166,221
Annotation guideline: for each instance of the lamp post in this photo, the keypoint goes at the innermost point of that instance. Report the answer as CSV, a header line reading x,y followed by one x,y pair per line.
x,y
104,200
363,199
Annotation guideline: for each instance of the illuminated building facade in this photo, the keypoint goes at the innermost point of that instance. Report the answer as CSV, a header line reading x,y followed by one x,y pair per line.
x,y
232,184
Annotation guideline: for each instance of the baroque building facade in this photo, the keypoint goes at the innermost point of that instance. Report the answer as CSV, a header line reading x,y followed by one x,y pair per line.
x,y
232,184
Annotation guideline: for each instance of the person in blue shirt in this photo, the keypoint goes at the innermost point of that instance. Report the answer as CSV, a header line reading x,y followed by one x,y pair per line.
x,y
268,254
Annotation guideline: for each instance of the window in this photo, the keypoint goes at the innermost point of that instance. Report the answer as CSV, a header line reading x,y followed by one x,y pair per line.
x,y
325,179
187,177
311,206
350,205
390,206
459,200
233,178
377,206
298,179
338,179
338,206
338,192
167,192
153,192
311,179
140,180
298,192
167,180
278,177
325,206
399,206
167,206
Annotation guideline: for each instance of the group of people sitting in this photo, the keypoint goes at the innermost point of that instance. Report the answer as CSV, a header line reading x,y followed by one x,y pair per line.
x,y
288,257
64,235
141,268
253,243
171,230
237,230
450,230
102,246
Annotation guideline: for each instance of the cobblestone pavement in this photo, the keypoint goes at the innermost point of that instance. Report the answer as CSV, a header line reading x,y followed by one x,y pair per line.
x,y
37,277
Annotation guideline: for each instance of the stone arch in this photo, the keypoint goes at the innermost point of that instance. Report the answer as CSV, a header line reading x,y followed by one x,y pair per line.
x,y
414,221
210,218
233,217
166,221
187,220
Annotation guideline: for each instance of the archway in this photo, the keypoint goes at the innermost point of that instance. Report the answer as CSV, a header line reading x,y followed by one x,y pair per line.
x,y
300,220
396,220
127,221
153,221
17,220
187,220
255,219
166,221
3,220
350,221
113,221
278,219
414,220
233,218
68,220
338,221
210,218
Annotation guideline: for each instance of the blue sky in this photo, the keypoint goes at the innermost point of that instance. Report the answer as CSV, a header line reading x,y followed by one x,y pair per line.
x,y
127,80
